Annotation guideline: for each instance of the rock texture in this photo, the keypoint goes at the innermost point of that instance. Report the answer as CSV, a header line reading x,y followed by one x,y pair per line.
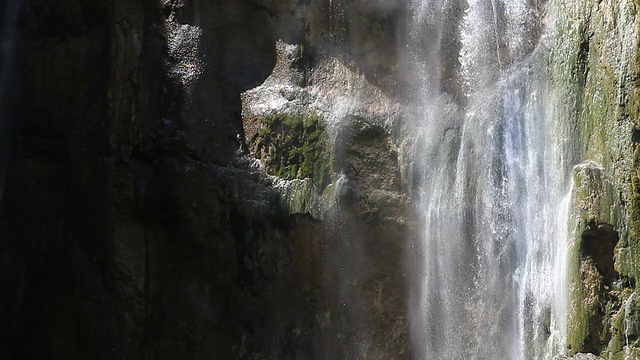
x,y
327,130
579,356
595,63
134,223
596,286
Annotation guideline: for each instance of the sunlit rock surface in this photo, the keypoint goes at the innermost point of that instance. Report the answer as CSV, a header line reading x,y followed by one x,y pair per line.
x,y
599,42
327,133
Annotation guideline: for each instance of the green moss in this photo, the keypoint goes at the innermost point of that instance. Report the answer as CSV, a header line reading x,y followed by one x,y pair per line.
x,y
301,63
629,252
624,328
629,261
295,146
300,57
591,303
584,306
598,80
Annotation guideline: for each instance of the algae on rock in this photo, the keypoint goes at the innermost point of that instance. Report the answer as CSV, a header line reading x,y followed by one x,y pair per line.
x,y
294,147
593,72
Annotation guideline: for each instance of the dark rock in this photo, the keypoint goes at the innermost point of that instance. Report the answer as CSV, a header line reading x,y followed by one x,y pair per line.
x,y
598,243
132,224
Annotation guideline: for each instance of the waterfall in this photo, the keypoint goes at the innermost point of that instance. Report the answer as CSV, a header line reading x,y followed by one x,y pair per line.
x,y
489,180
627,309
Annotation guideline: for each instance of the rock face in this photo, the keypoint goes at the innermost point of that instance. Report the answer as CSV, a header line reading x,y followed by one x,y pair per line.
x,y
579,356
134,223
125,232
596,64
326,130
596,286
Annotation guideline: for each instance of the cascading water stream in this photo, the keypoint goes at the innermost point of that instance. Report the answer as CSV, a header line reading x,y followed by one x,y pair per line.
x,y
490,185
627,310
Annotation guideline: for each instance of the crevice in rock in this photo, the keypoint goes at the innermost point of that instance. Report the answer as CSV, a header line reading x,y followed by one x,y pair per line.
x,y
598,242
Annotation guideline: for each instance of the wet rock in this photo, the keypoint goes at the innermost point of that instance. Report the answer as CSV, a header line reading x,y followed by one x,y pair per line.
x,y
136,224
592,259
351,182
130,226
596,82
579,356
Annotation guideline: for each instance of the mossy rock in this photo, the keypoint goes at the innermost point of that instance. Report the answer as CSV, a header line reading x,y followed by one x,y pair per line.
x,y
294,146
591,259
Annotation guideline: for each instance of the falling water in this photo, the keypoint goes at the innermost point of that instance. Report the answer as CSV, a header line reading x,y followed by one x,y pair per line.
x,y
490,177
556,288
627,310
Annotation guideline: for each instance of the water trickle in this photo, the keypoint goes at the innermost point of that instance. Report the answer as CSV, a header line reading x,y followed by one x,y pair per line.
x,y
558,292
489,185
627,309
